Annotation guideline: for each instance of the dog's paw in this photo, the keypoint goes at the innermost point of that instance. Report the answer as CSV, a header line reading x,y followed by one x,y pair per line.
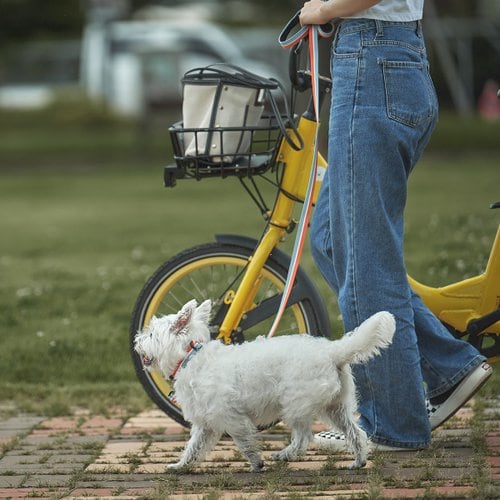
x,y
357,464
257,467
280,456
177,467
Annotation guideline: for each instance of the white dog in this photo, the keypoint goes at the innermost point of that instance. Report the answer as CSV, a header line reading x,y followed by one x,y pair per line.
x,y
235,388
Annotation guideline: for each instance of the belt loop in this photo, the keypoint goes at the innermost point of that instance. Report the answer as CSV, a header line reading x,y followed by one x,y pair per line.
x,y
418,29
336,34
380,28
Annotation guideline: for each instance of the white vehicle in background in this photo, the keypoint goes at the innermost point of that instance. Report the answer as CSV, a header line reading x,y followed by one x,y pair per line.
x,y
138,65
31,73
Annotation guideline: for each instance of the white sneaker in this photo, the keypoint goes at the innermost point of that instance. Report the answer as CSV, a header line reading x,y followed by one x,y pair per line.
x,y
460,394
335,441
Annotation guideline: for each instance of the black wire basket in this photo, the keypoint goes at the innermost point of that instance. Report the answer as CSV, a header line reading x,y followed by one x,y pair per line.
x,y
225,151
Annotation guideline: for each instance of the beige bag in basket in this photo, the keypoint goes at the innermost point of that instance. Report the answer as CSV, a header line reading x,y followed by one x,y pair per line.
x,y
218,108
216,100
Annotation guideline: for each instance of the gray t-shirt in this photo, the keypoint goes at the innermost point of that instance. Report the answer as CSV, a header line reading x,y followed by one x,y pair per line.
x,y
394,10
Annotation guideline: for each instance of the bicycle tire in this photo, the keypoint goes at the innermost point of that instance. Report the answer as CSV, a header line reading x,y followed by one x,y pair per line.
x,y
212,271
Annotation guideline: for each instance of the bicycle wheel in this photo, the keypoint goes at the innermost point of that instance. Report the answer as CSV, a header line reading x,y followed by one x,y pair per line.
x,y
213,271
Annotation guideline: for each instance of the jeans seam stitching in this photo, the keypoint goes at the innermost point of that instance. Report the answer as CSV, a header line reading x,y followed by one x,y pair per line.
x,y
353,201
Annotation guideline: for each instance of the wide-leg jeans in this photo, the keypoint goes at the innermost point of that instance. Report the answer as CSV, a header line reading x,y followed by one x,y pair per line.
x,y
383,111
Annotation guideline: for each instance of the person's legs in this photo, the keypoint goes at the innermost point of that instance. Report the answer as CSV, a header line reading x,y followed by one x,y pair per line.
x,y
445,361
367,194
363,200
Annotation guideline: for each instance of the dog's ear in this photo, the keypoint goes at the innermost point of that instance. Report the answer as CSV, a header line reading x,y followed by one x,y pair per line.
x,y
203,311
183,317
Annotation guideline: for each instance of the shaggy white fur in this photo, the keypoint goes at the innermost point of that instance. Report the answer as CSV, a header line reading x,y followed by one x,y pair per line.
x,y
234,389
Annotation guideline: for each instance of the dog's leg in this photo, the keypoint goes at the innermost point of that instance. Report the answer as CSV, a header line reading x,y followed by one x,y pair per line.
x,y
342,411
245,437
249,447
300,439
202,441
356,439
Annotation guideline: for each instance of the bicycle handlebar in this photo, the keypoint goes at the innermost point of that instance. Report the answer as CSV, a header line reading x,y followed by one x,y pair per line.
x,y
297,77
301,78
293,39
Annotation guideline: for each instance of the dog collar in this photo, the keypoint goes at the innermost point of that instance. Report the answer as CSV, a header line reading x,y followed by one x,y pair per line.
x,y
192,350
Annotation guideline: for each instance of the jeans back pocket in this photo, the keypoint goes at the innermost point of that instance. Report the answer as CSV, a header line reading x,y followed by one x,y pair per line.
x,y
409,92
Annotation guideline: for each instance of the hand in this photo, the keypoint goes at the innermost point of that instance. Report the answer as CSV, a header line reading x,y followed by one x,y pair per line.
x,y
314,12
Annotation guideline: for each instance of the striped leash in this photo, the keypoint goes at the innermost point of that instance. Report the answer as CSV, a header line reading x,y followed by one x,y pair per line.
x,y
287,41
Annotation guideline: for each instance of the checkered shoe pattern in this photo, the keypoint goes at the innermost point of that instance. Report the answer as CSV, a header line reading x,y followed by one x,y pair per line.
x,y
335,441
462,392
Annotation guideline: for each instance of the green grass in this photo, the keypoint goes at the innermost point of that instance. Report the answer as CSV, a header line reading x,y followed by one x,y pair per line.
x,y
77,248
79,241
450,228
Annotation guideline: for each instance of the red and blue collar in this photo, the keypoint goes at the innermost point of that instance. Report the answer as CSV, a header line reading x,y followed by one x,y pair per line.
x,y
192,350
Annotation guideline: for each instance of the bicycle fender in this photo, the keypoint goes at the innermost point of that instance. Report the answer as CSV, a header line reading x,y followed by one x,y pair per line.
x,y
284,260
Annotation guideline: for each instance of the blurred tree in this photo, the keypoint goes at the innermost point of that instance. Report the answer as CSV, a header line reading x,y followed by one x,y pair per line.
x,y
266,11
454,8
279,8
28,19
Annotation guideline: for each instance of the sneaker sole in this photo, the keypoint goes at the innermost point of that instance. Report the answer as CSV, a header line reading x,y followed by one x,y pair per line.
x,y
333,441
466,389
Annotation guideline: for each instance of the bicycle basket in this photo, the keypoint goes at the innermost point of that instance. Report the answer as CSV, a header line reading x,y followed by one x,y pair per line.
x,y
257,157
225,130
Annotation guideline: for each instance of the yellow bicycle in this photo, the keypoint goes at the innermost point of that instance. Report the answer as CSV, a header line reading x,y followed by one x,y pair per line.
x,y
245,278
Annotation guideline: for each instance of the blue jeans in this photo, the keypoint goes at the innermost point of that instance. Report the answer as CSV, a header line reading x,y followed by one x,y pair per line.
x,y
383,111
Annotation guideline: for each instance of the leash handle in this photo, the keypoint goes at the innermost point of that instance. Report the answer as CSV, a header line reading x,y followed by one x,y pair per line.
x,y
312,32
287,40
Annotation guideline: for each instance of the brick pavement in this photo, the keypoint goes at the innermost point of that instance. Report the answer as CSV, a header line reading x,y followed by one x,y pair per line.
x,y
85,456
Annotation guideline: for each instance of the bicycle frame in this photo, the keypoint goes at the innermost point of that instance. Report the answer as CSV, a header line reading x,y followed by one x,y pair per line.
x,y
297,165
470,306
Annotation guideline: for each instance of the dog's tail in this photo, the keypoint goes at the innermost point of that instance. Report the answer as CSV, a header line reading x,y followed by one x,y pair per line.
x,y
366,341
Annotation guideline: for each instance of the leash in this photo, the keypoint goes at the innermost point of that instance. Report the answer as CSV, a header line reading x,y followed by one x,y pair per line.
x,y
287,41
